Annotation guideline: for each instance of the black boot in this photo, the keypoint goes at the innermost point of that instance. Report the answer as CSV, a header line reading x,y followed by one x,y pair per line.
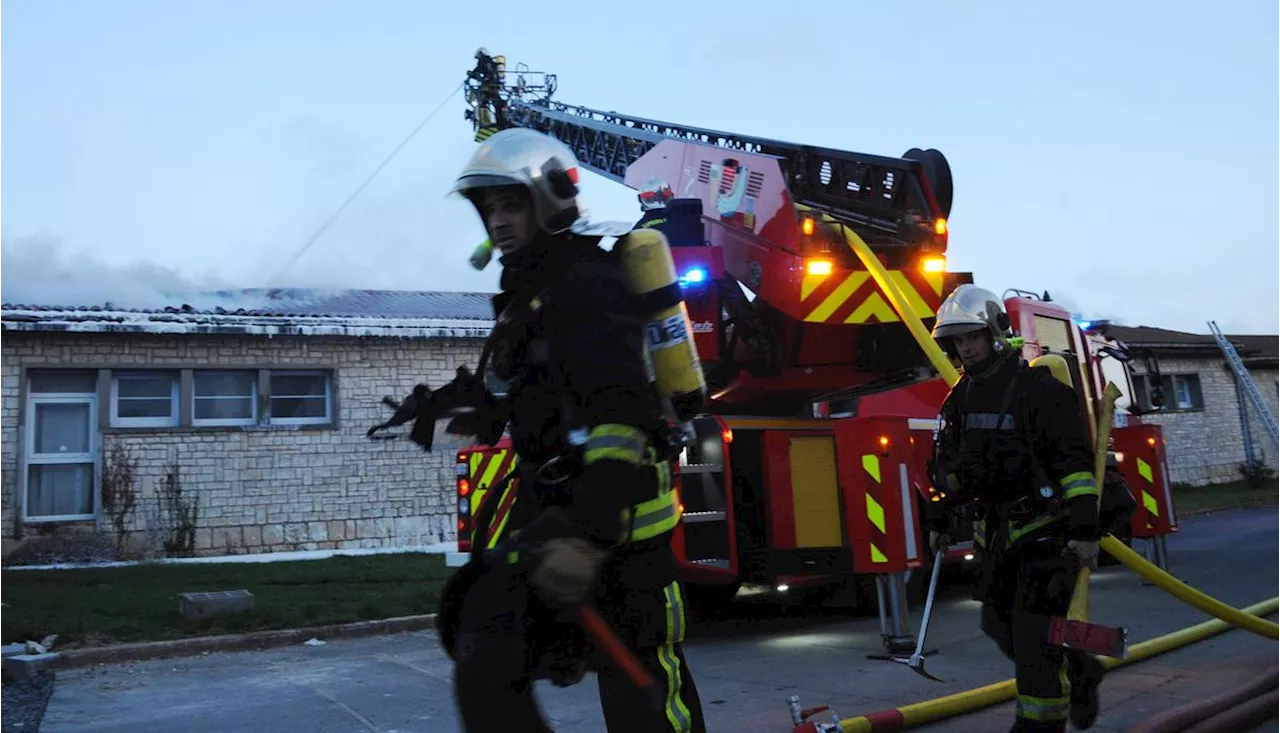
x,y
1086,674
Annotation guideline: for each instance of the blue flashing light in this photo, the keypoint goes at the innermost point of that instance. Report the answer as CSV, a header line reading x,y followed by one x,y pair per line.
x,y
1084,325
694,276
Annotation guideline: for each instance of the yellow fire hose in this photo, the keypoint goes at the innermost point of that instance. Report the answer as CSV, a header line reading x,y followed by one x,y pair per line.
x,y
1182,591
929,711
1079,607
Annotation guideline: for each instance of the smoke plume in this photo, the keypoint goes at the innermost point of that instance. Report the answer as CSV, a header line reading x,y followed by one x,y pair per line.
x,y
38,270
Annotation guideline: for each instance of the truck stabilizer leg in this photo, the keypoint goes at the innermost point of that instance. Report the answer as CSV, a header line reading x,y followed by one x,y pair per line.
x,y
895,618
1161,552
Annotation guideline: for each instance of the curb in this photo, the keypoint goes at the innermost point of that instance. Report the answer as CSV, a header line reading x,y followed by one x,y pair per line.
x,y
252,641
1226,508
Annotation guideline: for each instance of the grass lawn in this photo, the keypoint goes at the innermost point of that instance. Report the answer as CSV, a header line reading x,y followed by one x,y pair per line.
x,y
108,605
95,606
1236,493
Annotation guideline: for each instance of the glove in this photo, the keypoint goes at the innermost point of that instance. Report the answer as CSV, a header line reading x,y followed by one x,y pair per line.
x,y
939,541
566,569
1087,550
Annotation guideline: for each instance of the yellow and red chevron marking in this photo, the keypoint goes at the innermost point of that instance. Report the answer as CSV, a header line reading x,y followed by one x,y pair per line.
x,y
499,521
853,297
1148,501
875,508
486,469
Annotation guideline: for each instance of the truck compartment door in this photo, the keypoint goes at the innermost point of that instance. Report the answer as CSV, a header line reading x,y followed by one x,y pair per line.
x,y
815,492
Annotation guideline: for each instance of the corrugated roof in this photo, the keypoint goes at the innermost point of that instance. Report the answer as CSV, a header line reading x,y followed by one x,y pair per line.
x,y
274,312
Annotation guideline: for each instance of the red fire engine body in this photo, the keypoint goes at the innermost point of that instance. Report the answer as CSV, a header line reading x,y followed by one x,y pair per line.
x,y
809,465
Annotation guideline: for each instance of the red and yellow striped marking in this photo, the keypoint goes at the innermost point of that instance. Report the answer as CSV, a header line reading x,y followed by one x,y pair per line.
x,y
854,297
488,468
499,521
1148,501
875,509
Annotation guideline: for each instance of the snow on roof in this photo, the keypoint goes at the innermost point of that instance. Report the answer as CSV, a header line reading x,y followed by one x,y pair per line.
x,y
293,312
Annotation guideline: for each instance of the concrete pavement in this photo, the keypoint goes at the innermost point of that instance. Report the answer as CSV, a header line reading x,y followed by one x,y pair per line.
x,y
746,665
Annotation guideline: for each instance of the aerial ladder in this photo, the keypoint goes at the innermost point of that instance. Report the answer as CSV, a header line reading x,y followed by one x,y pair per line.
x,y
777,214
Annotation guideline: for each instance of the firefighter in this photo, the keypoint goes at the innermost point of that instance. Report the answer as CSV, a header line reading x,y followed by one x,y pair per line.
x,y
1012,455
594,509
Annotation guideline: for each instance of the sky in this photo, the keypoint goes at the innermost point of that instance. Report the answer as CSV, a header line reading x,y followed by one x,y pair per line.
x,y
1122,156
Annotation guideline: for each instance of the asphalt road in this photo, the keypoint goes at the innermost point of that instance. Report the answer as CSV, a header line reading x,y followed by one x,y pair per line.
x,y
746,665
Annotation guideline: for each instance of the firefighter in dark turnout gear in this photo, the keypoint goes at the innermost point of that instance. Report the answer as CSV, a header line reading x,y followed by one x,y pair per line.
x,y
1012,455
594,507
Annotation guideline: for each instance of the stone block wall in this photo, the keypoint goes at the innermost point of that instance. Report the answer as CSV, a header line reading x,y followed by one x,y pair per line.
x,y
263,489
1206,445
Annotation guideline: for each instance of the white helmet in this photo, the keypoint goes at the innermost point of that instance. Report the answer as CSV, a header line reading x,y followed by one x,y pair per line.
x,y
971,308
542,164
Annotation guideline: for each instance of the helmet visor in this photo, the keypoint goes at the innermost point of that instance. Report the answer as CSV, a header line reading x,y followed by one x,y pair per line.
x,y
466,184
948,330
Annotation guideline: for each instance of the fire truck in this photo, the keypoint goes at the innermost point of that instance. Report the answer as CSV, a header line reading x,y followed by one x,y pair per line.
x,y
808,465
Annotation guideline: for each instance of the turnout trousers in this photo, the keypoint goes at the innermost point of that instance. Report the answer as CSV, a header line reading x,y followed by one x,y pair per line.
x,y
508,638
1021,590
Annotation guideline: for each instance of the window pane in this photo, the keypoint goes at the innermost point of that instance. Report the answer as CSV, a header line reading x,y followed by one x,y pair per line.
x,y
144,407
224,384
67,382
62,428
60,490
297,385
298,407
223,408
1193,386
145,395
144,385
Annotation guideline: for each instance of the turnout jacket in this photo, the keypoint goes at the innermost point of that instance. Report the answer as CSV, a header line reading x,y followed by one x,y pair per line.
x,y
568,345
1006,439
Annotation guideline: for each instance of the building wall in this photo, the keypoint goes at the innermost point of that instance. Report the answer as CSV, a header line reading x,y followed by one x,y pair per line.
x,y
1206,445
266,489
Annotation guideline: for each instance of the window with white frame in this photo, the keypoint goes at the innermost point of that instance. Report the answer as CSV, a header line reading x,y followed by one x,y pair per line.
x,y
1180,391
224,397
144,398
301,397
1186,390
61,445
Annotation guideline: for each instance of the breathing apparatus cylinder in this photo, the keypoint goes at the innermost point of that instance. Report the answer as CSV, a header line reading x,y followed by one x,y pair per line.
x,y
1056,365
651,274
482,254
